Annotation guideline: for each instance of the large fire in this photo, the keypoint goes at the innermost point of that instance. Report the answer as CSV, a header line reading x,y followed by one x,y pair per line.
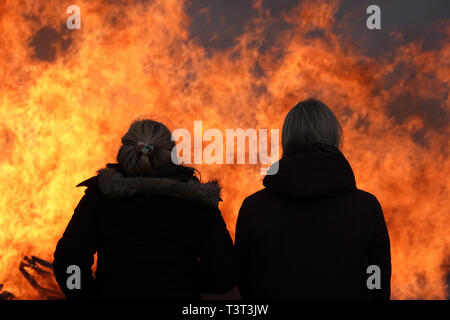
x,y
67,97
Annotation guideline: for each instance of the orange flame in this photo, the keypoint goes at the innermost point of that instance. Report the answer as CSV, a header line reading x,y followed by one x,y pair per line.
x,y
62,117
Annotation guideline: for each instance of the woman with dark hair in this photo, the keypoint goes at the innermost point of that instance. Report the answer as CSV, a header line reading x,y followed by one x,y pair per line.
x,y
156,229
310,233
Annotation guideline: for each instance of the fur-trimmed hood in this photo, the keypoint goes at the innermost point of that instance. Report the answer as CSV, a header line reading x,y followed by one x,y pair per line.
x,y
113,183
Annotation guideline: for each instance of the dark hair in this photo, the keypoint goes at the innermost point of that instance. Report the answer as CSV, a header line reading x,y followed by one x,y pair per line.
x,y
310,122
159,160
146,132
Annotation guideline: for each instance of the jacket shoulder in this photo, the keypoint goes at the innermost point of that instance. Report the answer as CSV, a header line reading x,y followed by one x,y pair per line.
x,y
88,182
252,204
257,196
92,186
366,197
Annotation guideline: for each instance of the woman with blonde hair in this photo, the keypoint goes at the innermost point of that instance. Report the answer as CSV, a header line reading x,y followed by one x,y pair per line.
x,y
310,233
155,227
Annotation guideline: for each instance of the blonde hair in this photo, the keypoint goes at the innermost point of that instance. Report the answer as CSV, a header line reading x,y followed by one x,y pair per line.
x,y
310,121
146,148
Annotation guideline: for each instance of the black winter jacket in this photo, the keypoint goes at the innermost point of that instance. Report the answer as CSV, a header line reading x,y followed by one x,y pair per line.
x,y
310,233
155,237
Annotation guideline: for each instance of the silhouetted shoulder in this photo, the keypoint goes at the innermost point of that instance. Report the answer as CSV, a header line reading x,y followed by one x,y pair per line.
x,y
91,185
367,206
257,197
251,206
88,182
366,197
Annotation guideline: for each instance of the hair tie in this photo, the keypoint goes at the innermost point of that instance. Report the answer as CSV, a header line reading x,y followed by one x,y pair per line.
x,y
145,148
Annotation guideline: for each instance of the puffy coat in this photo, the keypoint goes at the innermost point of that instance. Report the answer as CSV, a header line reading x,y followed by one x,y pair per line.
x,y
160,237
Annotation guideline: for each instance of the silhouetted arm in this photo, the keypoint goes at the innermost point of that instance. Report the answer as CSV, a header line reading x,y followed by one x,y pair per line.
x,y
77,247
217,256
242,246
380,253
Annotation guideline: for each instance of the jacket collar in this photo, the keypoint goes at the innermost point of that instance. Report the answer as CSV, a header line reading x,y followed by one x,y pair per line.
x,y
113,182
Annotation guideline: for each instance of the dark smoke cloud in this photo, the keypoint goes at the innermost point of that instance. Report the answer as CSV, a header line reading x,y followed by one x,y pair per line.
x,y
48,41
217,24
416,20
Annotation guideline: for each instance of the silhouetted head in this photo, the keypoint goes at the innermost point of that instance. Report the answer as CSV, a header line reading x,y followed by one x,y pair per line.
x,y
310,121
146,148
